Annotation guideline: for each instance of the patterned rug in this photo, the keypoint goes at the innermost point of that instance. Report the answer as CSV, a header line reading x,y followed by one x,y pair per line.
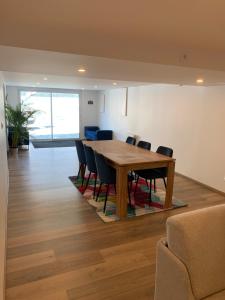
x,y
140,205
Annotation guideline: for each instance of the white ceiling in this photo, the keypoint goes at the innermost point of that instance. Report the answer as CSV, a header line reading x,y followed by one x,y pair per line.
x,y
130,42
63,82
138,30
27,67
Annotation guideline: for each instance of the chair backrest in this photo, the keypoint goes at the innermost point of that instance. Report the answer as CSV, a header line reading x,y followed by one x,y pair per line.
x,y
197,238
80,151
106,173
144,145
131,140
90,158
165,151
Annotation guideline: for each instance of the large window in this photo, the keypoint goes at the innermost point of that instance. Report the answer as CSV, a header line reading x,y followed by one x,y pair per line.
x,y
57,117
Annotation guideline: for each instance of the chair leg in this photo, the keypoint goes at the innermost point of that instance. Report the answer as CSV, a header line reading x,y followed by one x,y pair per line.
x,y
146,181
164,182
154,185
83,175
78,174
135,189
150,191
131,186
106,196
95,185
89,175
128,189
99,189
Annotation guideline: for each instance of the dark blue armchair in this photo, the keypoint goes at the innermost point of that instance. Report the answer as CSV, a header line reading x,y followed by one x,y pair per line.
x,y
93,133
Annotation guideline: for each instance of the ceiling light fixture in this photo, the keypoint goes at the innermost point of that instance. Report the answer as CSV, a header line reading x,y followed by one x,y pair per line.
x,y
114,83
37,83
95,86
81,70
199,80
45,78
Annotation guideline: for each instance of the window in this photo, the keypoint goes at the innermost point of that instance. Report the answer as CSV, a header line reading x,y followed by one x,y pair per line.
x,y
57,117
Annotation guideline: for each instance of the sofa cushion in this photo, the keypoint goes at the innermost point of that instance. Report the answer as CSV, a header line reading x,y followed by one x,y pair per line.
x,y
91,135
104,135
197,238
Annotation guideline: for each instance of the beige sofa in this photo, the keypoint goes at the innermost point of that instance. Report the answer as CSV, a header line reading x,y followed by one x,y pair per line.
x,y
191,261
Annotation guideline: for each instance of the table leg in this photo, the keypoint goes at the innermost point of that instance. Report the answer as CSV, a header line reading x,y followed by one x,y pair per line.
x,y
169,189
121,192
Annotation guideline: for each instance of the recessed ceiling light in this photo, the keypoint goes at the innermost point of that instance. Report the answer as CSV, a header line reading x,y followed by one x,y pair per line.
x,y
114,83
82,88
37,83
81,70
199,80
45,78
95,86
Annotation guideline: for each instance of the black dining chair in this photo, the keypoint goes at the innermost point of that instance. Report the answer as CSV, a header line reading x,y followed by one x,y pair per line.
x,y
91,165
107,175
144,145
82,159
162,172
153,174
131,140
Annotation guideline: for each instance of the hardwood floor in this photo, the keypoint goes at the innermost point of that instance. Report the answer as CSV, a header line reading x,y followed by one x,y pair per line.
x,y
59,249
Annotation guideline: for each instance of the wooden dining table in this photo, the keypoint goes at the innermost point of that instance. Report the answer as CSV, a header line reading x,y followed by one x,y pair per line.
x,y
124,158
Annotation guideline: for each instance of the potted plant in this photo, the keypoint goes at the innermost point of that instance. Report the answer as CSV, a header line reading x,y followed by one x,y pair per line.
x,y
18,119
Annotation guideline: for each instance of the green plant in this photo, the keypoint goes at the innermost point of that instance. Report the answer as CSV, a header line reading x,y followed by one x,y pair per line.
x,y
18,119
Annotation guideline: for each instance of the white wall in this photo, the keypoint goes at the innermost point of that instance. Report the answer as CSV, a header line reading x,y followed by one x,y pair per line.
x,y
3,190
191,120
88,112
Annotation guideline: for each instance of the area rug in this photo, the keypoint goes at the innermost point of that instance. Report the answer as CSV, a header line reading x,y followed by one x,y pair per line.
x,y
140,205
53,144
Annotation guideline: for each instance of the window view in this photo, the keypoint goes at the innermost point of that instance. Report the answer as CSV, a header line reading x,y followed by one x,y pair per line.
x,y
58,116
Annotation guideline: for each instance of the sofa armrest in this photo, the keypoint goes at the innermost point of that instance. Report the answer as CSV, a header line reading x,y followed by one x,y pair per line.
x,y
172,279
104,135
200,247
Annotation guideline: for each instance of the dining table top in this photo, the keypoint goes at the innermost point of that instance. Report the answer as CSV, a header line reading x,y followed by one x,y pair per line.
x,y
124,154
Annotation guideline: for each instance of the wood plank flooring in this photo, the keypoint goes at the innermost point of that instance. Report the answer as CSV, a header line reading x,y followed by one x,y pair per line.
x,y
58,249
